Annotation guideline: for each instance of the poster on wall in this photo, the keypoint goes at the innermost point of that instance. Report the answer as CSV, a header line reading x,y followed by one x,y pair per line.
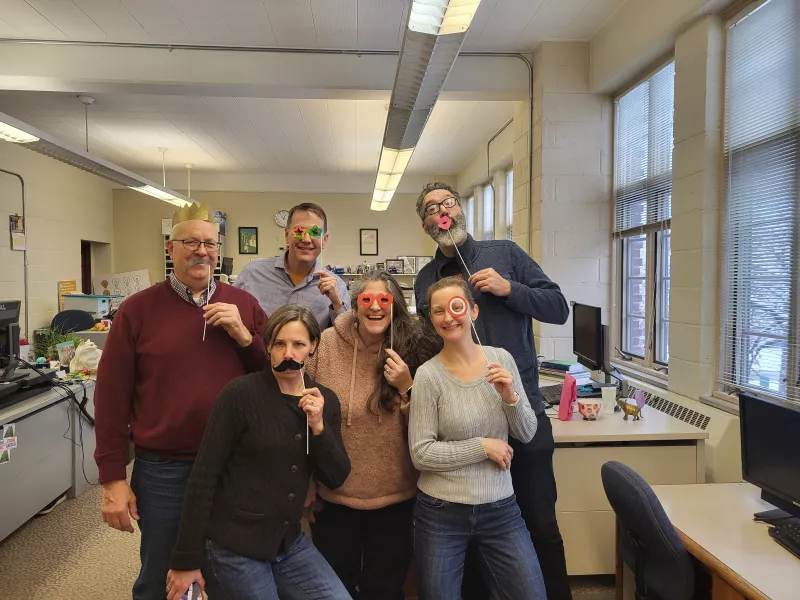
x,y
64,288
16,225
122,284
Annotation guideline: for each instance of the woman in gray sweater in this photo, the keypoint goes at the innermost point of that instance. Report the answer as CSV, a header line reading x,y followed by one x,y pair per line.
x,y
467,400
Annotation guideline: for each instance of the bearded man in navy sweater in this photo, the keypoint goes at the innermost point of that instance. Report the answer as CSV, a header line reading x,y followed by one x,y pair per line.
x,y
511,290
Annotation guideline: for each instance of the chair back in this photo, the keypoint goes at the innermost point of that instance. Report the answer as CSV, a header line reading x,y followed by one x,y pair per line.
x,y
70,321
649,543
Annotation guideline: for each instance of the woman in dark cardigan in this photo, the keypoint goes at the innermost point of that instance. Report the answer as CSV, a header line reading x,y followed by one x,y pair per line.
x,y
241,516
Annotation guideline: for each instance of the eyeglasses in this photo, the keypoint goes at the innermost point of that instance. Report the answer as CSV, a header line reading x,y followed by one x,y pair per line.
x,y
433,209
195,244
314,231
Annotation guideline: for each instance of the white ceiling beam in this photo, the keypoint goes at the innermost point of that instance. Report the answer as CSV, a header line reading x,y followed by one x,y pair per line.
x,y
112,69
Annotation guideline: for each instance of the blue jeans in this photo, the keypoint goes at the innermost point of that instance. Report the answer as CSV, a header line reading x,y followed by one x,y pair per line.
x,y
160,486
444,530
300,574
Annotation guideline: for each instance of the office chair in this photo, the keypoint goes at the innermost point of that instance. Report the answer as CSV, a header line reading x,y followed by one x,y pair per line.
x,y
70,321
649,543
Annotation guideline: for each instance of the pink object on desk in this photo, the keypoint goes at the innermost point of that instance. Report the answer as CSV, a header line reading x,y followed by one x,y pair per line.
x,y
569,392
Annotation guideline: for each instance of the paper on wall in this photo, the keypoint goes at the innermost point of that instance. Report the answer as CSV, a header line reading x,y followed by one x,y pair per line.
x,y
122,284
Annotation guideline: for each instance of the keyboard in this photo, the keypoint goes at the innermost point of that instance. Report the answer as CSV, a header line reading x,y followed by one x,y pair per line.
x,y
552,394
788,536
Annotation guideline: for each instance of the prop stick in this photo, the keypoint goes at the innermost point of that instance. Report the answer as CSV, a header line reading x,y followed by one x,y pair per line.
x,y
391,326
444,224
459,307
208,288
308,429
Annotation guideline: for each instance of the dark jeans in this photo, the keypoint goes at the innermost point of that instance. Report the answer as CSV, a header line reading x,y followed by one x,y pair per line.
x,y
160,486
370,550
535,487
300,574
444,530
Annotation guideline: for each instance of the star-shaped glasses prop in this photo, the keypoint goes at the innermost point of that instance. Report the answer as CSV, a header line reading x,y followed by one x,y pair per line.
x,y
314,232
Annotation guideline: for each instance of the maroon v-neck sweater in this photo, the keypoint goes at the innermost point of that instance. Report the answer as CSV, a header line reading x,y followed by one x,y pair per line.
x,y
159,377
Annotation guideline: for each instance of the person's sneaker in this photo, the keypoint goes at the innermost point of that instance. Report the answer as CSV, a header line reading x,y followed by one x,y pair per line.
x,y
49,508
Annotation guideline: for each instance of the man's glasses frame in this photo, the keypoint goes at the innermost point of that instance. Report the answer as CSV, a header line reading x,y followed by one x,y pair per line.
x,y
435,207
193,245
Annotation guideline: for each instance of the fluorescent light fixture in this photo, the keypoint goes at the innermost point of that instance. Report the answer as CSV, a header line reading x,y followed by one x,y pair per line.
x,y
14,130
436,30
390,170
14,135
442,17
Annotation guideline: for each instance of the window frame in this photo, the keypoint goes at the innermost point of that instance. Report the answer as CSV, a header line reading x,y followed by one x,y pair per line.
x,y
647,363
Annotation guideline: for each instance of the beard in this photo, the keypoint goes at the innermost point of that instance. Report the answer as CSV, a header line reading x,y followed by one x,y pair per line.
x,y
442,237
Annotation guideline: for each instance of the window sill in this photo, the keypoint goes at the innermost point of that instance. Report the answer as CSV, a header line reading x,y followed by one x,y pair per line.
x,y
722,401
651,376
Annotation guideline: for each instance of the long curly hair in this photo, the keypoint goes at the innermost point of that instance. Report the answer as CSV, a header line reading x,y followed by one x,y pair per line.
x,y
410,339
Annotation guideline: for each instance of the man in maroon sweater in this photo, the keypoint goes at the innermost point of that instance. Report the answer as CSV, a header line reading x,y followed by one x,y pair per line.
x,y
157,382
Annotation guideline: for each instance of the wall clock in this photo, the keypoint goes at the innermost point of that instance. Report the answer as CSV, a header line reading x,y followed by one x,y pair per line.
x,y
282,218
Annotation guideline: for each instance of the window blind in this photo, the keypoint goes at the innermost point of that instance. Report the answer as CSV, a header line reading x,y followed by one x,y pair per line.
x,y
760,329
643,154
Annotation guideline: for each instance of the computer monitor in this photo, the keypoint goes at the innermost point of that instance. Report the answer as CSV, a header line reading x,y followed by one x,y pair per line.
x,y
587,336
771,451
227,266
9,338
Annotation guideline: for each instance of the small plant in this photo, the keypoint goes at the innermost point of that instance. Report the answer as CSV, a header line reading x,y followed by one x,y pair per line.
x,y
46,339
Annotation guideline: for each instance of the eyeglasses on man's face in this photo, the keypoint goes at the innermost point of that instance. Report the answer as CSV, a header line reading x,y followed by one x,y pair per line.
x,y
193,245
435,207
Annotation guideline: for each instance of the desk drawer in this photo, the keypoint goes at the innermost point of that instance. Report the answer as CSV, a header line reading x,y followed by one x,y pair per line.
x,y
589,540
577,471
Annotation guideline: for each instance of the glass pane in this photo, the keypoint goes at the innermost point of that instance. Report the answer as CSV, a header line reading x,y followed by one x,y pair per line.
x,y
488,213
765,363
635,336
510,204
662,297
637,290
636,252
634,296
471,216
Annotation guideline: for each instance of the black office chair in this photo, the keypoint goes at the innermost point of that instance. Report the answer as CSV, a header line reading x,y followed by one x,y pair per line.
x,y
649,543
70,321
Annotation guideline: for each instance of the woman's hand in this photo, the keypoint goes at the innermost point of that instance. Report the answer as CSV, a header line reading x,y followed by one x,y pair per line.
x,y
503,382
396,371
498,451
311,500
180,581
312,404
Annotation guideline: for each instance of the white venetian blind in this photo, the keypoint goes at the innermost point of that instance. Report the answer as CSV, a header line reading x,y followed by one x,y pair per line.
x,y
643,154
760,330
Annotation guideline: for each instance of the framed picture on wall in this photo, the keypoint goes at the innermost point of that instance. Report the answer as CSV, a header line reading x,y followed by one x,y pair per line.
x,y
394,266
409,264
369,242
422,261
248,240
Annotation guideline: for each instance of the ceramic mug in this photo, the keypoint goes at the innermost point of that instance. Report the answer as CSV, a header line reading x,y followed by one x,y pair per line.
x,y
589,408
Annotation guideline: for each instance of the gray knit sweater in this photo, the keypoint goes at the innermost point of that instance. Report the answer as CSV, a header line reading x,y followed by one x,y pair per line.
x,y
448,419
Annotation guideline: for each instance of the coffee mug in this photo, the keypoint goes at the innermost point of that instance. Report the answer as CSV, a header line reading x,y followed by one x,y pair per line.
x,y
589,408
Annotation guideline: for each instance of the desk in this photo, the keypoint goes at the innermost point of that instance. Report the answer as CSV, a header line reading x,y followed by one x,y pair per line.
x,y
660,448
715,522
48,460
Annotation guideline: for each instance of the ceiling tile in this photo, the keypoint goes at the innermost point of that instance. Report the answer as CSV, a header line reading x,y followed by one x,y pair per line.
x,y
380,24
508,20
370,124
27,21
204,20
292,22
114,19
335,23
262,119
345,137
592,18
551,22
69,18
317,121
248,21
287,113
159,19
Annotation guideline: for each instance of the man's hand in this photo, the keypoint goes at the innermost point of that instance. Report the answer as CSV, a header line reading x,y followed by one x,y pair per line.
x,y
327,287
489,280
118,502
227,316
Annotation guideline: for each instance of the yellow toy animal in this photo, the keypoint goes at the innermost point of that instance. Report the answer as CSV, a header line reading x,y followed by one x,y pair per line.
x,y
633,410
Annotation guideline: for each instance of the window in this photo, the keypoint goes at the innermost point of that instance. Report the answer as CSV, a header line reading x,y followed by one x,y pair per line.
x,y
510,205
760,329
470,208
642,211
488,212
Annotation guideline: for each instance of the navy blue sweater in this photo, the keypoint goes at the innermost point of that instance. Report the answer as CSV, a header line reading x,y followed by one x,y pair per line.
x,y
504,322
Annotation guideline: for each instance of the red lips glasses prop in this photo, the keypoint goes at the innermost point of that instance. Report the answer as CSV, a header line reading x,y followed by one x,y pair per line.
x,y
384,300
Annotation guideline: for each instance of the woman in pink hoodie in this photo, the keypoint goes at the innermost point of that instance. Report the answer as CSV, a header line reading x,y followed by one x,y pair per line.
x,y
363,528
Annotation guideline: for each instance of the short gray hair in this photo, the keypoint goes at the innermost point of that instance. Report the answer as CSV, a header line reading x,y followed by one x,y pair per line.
x,y
430,187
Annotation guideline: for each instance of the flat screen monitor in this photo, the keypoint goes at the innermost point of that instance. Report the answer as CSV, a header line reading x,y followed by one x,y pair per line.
x,y
587,336
771,450
227,266
9,312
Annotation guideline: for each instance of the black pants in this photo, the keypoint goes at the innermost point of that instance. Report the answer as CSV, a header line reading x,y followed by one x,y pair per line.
x,y
535,487
370,550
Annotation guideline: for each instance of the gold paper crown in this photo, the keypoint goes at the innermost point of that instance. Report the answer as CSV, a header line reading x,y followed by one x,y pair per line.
x,y
192,212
